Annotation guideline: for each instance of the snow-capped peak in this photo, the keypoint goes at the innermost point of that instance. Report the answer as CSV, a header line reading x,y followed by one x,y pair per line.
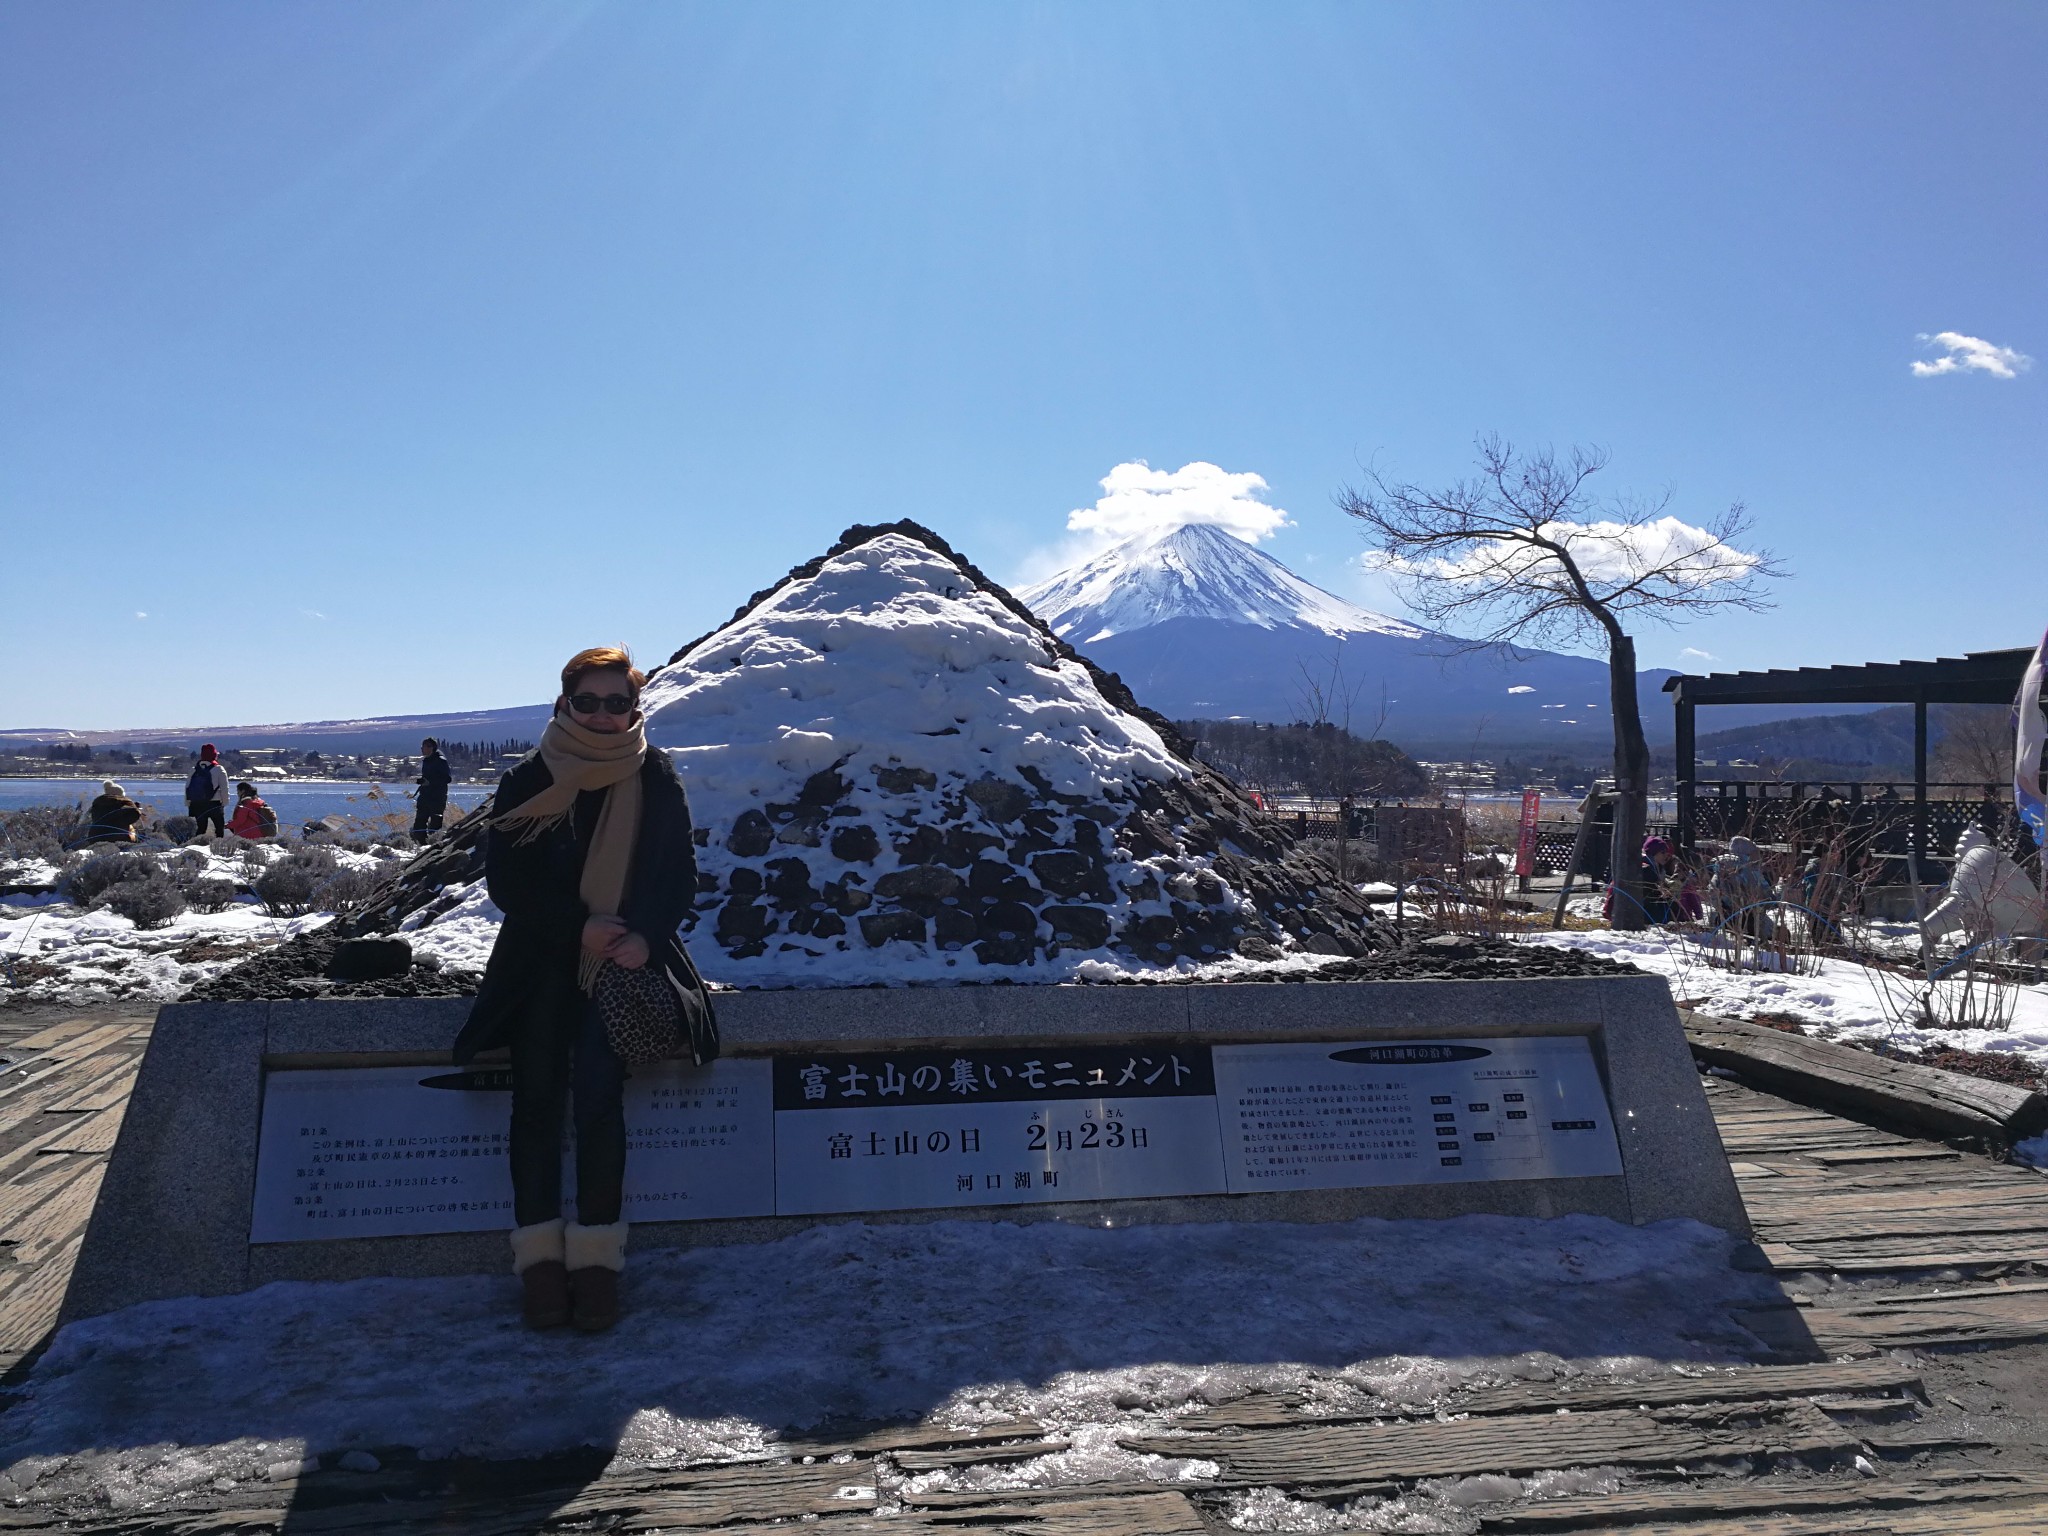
x,y
1198,571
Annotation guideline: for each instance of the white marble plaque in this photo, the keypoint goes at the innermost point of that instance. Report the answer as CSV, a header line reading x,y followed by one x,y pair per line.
x,y
406,1151
993,1126
1323,1116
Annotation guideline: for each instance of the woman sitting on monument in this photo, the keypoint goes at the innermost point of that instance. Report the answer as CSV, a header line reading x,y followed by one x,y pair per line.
x,y
589,856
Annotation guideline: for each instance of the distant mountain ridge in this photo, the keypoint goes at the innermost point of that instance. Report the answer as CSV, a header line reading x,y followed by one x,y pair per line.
x,y
381,733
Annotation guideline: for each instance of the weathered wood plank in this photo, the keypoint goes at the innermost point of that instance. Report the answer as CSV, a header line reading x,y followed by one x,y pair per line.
x,y
1941,1104
1755,1384
1724,1500
1521,1443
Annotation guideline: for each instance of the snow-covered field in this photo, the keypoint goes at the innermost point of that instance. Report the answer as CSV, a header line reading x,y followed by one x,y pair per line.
x,y
53,950
1092,1332
1842,999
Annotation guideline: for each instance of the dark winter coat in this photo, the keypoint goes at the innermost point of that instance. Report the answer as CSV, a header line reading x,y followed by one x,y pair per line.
x,y
433,780
534,885
113,819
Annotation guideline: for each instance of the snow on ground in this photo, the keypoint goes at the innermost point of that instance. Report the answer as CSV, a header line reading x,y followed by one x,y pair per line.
x,y
1842,999
52,949
1090,1331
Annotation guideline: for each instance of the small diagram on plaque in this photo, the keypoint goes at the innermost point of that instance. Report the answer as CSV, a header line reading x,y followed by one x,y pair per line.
x,y
1348,1116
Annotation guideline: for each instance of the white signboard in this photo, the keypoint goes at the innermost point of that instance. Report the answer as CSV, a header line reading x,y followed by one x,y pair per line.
x,y
918,1130
1320,1116
404,1151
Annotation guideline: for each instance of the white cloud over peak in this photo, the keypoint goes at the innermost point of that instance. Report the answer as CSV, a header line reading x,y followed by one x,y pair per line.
x,y
1967,354
1137,498
1694,653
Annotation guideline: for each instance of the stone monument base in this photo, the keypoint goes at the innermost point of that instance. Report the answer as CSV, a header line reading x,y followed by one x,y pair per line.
x,y
329,1140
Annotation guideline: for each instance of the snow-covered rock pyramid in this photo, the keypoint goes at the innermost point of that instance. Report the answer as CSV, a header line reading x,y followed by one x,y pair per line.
x,y
899,773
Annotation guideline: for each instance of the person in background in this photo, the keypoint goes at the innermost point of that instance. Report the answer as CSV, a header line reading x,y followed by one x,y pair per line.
x,y
113,816
431,803
253,818
591,860
206,793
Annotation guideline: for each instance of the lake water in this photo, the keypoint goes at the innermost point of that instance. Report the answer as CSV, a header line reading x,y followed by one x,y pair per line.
x,y
296,801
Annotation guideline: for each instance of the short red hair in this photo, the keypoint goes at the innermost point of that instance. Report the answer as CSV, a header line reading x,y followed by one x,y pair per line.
x,y
602,658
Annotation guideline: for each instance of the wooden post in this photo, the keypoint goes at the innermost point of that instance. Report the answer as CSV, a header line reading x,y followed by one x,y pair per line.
x,y
1687,764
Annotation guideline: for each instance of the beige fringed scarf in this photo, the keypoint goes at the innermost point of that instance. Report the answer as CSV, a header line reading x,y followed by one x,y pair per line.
x,y
581,759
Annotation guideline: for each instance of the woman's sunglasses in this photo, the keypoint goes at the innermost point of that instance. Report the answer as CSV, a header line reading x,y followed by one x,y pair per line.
x,y
610,703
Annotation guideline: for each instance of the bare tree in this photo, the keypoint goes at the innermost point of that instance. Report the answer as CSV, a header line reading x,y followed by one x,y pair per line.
x,y
1340,765
1525,550
1975,745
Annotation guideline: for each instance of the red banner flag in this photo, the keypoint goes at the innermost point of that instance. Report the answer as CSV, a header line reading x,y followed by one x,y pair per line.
x,y
1525,843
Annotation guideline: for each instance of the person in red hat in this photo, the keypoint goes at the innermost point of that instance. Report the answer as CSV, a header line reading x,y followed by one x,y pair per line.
x,y
206,793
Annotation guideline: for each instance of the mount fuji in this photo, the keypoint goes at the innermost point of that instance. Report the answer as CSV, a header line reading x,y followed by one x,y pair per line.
x,y
1201,625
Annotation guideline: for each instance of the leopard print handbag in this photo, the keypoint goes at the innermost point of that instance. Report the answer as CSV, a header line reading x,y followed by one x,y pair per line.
x,y
651,1016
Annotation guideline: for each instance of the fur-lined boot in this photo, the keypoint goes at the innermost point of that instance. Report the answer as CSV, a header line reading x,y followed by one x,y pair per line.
x,y
595,1255
537,1259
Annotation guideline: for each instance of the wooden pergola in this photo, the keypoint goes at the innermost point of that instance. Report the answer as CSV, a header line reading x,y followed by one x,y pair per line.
x,y
1982,677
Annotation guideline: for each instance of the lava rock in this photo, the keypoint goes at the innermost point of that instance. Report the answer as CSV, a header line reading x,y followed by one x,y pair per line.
x,y
789,883
744,881
999,799
751,836
954,928
370,959
823,788
993,880
1066,872
932,882
845,898
856,844
922,846
1004,921
898,780
878,928
741,919
1083,927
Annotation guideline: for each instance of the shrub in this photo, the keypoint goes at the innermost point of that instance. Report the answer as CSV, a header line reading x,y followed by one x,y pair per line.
x,y
289,886
186,865
345,890
210,893
147,903
178,829
40,832
100,872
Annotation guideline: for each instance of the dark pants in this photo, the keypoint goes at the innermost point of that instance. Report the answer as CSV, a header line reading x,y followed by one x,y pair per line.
x,y
203,811
560,1050
427,813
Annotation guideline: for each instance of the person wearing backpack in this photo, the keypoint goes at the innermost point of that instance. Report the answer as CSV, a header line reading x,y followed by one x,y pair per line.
x,y
431,803
253,818
206,793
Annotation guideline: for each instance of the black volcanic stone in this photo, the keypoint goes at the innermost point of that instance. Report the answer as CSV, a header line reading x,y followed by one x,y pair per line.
x,y
1065,872
878,928
1004,951
930,882
370,959
1006,920
898,780
1085,927
806,829
751,836
999,799
825,924
954,928
825,787
993,880
963,846
1087,839
744,880
845,898
789,882
856,844
922,846
1153,938
741,919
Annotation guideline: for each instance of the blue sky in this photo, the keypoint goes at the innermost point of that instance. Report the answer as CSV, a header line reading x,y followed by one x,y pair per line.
x,y
383,355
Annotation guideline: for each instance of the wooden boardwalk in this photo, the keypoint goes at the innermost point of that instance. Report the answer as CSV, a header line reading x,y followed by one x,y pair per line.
x,y
1851,1422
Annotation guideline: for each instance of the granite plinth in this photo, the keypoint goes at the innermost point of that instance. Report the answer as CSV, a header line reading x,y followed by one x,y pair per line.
x,y
174,1213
